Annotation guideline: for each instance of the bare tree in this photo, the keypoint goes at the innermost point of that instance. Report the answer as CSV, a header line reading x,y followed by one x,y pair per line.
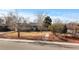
x,y
57,20
1,21
57,26
13,21
20,21
10,20
39,20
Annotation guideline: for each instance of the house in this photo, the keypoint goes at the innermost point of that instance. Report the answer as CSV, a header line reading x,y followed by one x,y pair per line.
x,y
27,27
23,27
4,28
73,28
32,27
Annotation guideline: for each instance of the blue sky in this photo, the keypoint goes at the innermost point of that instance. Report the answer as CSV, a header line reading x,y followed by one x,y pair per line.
x,y
52,12
66,15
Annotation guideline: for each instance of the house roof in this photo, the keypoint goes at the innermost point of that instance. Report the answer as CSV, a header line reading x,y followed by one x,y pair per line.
x,y
72,26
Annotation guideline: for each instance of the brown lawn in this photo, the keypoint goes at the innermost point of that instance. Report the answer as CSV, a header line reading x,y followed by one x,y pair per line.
x,y
39,36
32,36
26,35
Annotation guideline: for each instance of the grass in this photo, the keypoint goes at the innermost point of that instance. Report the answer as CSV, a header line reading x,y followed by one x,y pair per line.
x,y
26,35
36,36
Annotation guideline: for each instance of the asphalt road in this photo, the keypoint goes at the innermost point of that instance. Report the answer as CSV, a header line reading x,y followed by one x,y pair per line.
x,y
12,45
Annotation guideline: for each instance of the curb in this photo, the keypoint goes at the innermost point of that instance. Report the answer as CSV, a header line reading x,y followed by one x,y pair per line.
x,y
34,41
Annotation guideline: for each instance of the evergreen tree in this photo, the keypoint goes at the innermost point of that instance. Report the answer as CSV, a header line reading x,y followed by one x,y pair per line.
x,y
47,21
65,29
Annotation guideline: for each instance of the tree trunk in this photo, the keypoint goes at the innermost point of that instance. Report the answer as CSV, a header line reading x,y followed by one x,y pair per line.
x,y
18,34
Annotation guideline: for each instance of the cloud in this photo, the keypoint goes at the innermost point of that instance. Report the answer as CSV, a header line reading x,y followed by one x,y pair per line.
x,y
31,16
66,18
73,17
5,11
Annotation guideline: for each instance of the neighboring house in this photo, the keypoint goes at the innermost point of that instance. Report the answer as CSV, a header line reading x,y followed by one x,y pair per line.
x,y
23,27
4,28
32,27
72,28
27,27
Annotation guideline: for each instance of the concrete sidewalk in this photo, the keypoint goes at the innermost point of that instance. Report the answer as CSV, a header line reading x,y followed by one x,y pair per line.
x,y
36,41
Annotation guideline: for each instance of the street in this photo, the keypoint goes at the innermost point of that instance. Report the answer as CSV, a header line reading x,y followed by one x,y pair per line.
x,y
16,45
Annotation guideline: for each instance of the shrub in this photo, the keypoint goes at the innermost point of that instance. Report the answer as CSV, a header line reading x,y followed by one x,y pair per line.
x,y
58,27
